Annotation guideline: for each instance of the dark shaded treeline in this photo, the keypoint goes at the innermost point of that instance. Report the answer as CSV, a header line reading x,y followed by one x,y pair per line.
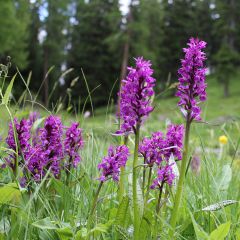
x,y
96,41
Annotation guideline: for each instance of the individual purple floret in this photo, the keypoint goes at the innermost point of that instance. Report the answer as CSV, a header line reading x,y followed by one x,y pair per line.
x,y
72,144
111,164
23,135
192,86
164,175
51,141
135,94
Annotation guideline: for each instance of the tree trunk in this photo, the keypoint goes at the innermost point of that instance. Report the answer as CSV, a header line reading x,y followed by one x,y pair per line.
x,y
232,27
125,60
226,89
125,52
46,80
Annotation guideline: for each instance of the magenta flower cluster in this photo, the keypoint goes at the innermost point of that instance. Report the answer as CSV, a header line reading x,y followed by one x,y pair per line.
x,y
111,164
51,144
159,148
46,149
135,94
192,86
72,144
22,135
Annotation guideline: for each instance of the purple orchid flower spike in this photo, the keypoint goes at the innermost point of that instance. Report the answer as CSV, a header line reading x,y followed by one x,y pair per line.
x,y
111,164
192,86
135,94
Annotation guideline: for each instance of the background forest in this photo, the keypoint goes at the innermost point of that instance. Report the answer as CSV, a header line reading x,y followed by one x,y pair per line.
x,y
59,46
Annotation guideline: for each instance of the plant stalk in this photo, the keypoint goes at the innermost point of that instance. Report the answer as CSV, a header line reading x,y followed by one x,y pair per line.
x,y
136,214
157,210
180,185
122,177
159,199
144,176
148,185
94,204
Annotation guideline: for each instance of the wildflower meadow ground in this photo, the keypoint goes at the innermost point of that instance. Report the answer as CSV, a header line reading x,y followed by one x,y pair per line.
x,y
148,168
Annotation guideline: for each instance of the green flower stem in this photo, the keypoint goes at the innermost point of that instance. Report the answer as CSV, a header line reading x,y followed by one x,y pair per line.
x,y
148,185
157,210
68,172
122,176
159,199
164,208
180,185
136,214
121,184
94,204
144,176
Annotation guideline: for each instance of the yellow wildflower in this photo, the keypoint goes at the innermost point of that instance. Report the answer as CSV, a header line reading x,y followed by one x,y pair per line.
x,y
223,139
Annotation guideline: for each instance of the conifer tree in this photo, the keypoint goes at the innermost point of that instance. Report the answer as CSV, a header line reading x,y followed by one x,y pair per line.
x,y
146,31
227,57
96,49
54,46
14,20
35,48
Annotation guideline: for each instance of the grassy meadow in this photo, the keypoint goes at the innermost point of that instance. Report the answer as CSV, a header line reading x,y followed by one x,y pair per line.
x,y
54,210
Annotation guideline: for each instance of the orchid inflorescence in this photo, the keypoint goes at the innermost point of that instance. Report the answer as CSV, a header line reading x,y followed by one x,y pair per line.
x,y
111,164
45,149
135,95
159,148
192,86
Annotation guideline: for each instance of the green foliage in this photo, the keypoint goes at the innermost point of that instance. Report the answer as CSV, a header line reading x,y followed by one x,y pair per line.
x,y
8,91
227,55
224,178
122,211
199,232
45,223
9,193
221,232
13,37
